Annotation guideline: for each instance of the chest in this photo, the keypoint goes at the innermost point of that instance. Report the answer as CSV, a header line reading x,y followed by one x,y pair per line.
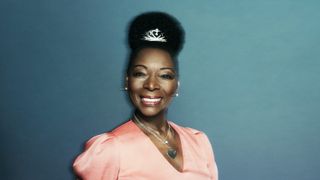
x,y
142,159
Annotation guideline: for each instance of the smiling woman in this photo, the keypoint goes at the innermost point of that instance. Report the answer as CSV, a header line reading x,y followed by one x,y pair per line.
x,y
149,146
152,82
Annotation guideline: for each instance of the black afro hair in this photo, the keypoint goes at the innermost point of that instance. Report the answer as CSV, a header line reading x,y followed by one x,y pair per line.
x,y
169,29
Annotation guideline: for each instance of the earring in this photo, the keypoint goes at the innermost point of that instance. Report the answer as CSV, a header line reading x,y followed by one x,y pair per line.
x,y
126,89
177,94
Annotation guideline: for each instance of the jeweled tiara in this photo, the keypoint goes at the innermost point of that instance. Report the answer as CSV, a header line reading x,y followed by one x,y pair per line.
x,y
154,35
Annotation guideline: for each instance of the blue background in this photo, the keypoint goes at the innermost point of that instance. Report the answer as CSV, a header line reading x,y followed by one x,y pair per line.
x,y
249,78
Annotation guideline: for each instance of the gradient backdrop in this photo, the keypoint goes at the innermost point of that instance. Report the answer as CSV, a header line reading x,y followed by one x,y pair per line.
x,y
250,79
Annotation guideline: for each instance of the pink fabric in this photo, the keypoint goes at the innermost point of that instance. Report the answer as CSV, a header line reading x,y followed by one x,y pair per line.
x,y
127,153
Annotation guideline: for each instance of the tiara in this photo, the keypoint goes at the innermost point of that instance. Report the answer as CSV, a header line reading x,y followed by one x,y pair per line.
x,y
154,35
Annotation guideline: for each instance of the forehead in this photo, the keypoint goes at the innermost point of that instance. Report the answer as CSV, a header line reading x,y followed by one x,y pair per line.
x,y
153,57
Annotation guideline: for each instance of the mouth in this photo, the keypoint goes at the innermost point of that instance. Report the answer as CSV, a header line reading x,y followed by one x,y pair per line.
x,y
150,101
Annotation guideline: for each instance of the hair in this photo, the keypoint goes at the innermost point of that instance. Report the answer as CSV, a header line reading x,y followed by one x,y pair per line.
x,y
170,30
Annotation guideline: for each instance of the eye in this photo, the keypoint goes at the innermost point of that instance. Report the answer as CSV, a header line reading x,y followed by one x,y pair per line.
x,y
138,74
167,76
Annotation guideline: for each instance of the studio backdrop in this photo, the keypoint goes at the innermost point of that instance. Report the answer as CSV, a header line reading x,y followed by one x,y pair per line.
x,y
249,74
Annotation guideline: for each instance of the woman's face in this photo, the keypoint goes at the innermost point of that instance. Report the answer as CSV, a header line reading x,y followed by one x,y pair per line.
x,y
152,81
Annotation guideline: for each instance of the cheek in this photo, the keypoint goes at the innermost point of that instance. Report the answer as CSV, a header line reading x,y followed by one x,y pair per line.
x,y
171,88
134,90
133,95
134,85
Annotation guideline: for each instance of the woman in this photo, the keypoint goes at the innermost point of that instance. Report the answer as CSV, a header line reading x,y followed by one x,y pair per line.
x,y
148,146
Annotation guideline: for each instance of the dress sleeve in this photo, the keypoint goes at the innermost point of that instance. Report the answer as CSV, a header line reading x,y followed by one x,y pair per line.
x,y
100,159
211,160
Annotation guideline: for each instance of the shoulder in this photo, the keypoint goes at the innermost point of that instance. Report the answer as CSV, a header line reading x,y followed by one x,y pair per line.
x,y
108,139
97,148
102,154
194,135
192,131
187,130
98,141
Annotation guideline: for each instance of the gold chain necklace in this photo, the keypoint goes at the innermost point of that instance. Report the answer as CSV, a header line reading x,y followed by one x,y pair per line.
x,y
171,152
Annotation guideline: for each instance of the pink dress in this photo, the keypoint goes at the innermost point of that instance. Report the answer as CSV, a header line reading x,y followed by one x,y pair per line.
x,y
126,153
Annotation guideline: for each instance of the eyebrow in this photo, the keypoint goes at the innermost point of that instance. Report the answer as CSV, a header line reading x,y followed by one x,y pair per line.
x,y
140,65
172,69
145,67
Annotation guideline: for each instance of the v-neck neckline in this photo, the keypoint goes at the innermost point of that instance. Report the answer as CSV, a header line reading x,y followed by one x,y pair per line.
x,y
159,152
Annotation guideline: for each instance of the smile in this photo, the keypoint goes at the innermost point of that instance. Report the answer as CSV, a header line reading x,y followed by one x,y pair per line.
x,y
150,101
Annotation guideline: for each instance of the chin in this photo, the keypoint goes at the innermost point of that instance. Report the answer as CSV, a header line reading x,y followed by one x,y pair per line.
x,y
150,111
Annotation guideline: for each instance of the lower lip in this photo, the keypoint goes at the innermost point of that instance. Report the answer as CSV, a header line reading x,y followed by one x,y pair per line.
x,y
150,103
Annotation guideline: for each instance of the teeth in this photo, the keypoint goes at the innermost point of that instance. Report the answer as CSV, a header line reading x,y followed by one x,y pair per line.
x,y
151,100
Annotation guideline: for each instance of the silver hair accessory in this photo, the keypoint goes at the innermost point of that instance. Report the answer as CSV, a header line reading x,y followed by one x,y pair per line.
x,y
154,35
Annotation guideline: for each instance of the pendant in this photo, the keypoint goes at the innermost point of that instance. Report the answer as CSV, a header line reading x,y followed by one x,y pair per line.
x,y
172,153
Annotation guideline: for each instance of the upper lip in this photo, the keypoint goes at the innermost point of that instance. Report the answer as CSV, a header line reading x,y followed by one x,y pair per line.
x,y
151,97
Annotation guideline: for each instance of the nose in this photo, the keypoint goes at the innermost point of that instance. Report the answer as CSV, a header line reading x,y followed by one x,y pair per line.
x,y
151,84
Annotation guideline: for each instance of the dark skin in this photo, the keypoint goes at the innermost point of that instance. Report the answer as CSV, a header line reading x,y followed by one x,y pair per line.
x,y
152,82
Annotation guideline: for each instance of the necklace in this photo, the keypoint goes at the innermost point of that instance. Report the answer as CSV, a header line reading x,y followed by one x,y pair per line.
x,y
171,152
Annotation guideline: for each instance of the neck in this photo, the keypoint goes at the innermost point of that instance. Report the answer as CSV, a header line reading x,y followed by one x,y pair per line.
x,y
157,122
